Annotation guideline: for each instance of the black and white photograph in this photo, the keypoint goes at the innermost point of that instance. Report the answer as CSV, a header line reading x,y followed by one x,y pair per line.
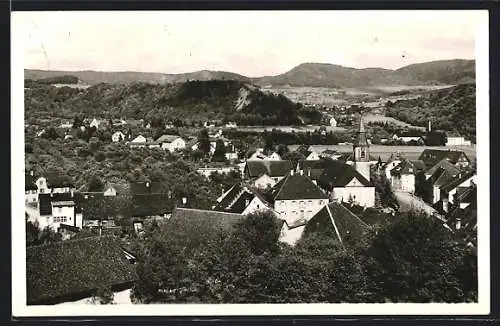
x,y
250,163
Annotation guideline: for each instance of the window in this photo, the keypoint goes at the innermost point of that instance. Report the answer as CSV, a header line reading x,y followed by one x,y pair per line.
x,y
59,219
302,213
302,203
294,202
321,202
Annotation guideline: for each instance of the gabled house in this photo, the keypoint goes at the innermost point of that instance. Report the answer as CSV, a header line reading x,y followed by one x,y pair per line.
x,y
118,136
444,164
242,199
55,209
433,184
432,156
415,136
94,123
313,156
331,154
30,188
403,176
336,221
312,169
171,143
73,270
296,198
345,184
142,142
449,190
276,170
389,165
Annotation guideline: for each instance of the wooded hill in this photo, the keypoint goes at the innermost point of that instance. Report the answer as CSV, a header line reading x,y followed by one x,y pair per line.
x,y
194,101
451,109
450,72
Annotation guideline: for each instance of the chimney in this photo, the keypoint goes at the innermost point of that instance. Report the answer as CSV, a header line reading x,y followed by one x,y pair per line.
x,y
291,172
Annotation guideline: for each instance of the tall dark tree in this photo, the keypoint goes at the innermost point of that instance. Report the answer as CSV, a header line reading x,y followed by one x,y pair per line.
x,y
204,142
220,151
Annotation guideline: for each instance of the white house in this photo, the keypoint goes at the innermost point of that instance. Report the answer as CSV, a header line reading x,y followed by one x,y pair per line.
x,y
208,170
461,180
297,198
313,156
171,143
457,141
333,122
274,157
389,166
403,176
94,123
139,139
242,199
109,190
117,136
275,170
264,181
56,209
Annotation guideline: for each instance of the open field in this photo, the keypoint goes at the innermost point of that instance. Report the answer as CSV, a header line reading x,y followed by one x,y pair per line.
x,y
289,128
409,152
382,118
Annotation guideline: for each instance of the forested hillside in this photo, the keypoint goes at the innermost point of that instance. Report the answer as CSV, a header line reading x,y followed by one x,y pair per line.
x,y
452,109
194,101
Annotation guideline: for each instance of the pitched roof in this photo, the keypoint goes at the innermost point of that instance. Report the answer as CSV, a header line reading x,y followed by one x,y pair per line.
x,y
198,226
45,201
440,177
432,156
339,174
404,167
361,139
419,165
457,180
167,138
237,199
312,168
75,268
296,187
445,164
271,168
336,220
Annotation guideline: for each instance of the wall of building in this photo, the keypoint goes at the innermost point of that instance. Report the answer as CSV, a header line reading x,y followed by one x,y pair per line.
x,y
254,206
361,195
31,196
292,210
363,168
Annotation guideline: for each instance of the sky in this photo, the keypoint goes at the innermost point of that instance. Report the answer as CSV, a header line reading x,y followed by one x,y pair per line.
x,y
251,43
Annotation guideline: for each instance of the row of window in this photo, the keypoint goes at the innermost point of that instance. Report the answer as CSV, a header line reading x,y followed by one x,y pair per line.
x,y
61,219
302,202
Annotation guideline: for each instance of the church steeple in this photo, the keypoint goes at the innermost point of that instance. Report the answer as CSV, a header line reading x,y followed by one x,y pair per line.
x,y
361,146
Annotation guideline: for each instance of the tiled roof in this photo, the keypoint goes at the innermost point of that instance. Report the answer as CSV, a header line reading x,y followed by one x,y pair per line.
x,y
297,187
457,180
432,156
235,201
339,174
167,138
73,269
313,168
440,177
336,220
45,201
271,168
405,167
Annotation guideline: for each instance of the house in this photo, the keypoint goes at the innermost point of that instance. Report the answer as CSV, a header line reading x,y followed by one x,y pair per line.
x,y
151,199
457,141
206,171
313,156
66,124
389,165
337,221
346,184
118,136
296,198
94,123
73,270
403,176
242,199
313,169
142,142
333,122
432,156
110,190
171,143
259,155
330,153
410,136
445,164
55,209
449,190
433,184
231,125
54,185
274,171
40,133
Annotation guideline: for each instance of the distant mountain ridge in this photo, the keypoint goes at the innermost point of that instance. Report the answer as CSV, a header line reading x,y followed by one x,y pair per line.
x,y
306,74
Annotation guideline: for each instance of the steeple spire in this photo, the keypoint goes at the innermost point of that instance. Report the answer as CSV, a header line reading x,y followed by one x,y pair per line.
x,y
361,125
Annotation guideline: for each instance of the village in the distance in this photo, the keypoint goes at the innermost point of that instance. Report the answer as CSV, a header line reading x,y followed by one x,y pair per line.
x,y
218,188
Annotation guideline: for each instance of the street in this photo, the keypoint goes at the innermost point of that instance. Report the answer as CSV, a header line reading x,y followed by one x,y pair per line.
x,y
408,201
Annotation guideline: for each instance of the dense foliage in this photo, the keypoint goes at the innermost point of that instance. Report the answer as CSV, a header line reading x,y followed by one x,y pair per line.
x,y
189,102
451,109
249,265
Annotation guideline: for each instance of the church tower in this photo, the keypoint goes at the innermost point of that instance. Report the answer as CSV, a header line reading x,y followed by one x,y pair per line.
x,y
361,150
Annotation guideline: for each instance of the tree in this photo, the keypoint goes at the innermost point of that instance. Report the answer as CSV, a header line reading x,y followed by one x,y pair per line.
x,y
96,184
102,296
220,151
204,142
282,150
260,230
415,259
